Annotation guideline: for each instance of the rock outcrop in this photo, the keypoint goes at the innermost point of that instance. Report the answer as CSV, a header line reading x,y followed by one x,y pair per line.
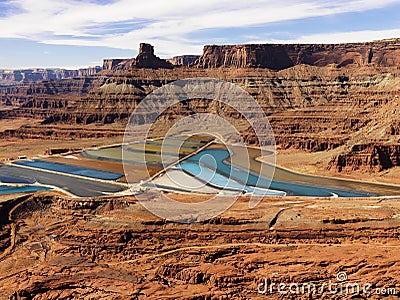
x,y
145,59
367,157
183,60
280,56
117,64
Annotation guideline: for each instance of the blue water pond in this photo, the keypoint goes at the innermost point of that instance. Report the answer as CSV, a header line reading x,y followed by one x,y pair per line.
x,y
5,189
13,179
249,179
63,168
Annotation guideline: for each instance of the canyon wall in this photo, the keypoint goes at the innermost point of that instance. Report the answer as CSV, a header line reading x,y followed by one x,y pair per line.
x,y
280,56
40,100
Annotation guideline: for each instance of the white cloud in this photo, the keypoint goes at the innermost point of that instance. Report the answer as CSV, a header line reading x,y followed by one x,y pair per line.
x,y
336,37
167,24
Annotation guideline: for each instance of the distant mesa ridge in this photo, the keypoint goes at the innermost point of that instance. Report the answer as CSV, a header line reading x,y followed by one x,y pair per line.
x,y
281,56
24,76
384,53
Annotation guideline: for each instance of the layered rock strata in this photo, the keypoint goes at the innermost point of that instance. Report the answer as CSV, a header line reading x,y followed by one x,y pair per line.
x,y
368,157
282,56
183,60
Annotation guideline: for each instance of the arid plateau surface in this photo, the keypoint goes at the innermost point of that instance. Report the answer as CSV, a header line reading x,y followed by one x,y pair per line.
x,y
71,226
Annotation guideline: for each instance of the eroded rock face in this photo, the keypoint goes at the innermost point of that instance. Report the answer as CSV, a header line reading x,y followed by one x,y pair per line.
x,y
117,64
309,108
145,59
183,60
41,100
278,57
368,157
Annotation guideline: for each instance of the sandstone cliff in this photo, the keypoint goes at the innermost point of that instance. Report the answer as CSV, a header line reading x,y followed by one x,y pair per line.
x,y
369,157
117,64
183,60
281,56
310,108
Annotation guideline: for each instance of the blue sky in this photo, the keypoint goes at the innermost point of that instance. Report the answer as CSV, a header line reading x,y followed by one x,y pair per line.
x,y
73,34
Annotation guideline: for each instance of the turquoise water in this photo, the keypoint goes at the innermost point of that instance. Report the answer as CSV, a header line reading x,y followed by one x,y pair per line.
x,y
63,168
163,151
5,189
214,159
220,181
208,175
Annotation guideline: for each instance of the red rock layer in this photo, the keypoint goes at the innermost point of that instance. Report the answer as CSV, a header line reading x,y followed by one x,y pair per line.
x,y
370,157
281,56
